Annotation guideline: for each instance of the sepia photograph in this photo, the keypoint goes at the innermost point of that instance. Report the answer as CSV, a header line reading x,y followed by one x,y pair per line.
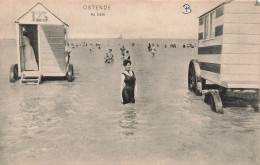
x,y
129,82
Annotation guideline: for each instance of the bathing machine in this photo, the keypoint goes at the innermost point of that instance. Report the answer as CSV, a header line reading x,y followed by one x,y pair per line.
x,y
228,63
47,54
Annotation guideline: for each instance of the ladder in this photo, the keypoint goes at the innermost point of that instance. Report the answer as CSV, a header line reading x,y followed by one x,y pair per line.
x,y
31,77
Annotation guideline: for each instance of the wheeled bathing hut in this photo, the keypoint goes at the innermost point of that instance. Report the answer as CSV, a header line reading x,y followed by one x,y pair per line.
x,y
228,63
47,36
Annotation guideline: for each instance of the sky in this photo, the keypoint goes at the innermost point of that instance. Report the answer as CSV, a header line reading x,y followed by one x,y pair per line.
x,y
131,19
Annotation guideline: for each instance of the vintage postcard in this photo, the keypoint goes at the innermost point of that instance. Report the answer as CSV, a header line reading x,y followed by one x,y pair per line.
x,y
131,82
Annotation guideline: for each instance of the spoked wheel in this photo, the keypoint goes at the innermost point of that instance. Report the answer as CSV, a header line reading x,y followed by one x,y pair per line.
x,y
194,79
214,101
70,73
13,75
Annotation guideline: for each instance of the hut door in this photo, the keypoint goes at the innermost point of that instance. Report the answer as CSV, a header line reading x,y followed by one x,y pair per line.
x,y
52,50
30,32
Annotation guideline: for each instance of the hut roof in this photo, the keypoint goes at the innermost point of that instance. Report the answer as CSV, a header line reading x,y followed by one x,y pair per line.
x,y
17,20
227,1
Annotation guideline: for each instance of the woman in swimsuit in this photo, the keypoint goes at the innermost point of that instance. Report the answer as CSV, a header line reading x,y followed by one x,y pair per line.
x,y
128,90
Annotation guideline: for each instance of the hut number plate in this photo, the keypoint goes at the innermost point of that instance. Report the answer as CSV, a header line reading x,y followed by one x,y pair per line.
x,y
39,16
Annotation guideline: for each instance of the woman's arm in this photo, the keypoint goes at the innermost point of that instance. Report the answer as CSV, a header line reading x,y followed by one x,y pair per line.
x,y
122,85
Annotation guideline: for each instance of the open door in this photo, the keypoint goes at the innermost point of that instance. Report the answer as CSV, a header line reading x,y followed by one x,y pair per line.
x,y
31,32
52,50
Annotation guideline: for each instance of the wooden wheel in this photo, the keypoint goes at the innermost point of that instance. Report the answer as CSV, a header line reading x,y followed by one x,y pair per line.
x,y
70,73
13,75
194,79
214,101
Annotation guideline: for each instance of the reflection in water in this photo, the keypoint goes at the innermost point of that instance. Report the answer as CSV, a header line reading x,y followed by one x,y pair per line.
x,y
128,120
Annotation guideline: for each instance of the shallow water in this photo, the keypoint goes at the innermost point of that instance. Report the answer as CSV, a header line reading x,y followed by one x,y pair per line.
x,y
83,122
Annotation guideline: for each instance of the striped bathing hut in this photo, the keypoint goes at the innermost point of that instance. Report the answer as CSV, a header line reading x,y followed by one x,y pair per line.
x,y
229,47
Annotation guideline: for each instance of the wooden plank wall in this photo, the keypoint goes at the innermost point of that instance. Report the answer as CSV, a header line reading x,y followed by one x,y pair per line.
x,y
209,50
241,44
52,49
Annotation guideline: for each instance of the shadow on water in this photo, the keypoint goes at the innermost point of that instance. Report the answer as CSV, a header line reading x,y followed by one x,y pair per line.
x,y
128,121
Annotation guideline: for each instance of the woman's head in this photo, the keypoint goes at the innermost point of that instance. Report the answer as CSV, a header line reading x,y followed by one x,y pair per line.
x,y
127,64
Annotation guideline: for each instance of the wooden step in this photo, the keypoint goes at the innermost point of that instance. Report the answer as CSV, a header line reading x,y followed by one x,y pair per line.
x,y
30,80
30,73
31,83
31,77
36,81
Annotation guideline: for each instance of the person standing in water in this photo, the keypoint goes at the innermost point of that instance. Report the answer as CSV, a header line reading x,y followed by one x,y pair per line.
x,y
153,49
127,56
128,89
30,63
109,56
149,47
123,51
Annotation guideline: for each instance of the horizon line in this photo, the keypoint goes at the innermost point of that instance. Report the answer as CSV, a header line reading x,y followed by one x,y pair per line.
x,y
116,38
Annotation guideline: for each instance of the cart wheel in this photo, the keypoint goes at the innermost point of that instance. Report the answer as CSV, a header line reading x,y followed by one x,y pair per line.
x,y
194,79
13,75
214,101
70,73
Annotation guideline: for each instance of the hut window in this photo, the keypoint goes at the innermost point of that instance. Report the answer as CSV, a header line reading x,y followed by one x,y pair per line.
x,y
219,30
200,36
219,12
201,21
212,22
206,27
